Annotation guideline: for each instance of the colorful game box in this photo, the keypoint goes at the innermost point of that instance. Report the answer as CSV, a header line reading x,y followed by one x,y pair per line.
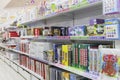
x,y
77,31
111,7
96,21
96,30
110,62
112,28
94,61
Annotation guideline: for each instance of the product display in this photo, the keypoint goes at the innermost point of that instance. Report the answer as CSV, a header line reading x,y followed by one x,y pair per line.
x,y
110,62
101,28
94,61
47,8
58,74
62,39
36,49
77,31
96,30
112,28
111,6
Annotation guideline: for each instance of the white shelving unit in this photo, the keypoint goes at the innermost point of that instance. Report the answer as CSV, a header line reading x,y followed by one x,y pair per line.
x,y
64,13
67,68
68,18
17,67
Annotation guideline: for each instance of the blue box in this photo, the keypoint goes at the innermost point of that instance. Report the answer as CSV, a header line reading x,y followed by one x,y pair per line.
x,y
112,28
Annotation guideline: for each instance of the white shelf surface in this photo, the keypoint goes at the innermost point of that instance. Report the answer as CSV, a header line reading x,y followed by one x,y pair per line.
x,y
27,37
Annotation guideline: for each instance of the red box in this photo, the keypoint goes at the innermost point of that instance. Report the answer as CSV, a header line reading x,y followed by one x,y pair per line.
x,y
37,31
13,34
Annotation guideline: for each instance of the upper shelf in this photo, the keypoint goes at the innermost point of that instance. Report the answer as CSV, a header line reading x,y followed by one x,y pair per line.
x,y
66,12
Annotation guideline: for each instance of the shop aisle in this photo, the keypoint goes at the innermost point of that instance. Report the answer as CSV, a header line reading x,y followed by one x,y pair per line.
x,y
7,73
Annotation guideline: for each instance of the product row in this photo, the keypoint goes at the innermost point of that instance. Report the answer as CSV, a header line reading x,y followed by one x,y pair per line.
x,y
103,28
51,7
91,58
47,72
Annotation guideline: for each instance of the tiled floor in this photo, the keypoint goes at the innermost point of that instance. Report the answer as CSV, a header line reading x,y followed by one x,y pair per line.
x,y
7,73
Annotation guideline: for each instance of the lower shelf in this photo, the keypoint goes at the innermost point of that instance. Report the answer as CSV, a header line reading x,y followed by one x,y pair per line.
x,y
77,71
70,69
13,63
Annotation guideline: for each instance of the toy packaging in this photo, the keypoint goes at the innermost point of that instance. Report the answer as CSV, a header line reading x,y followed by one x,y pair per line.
x,y
110,62
37,31
55,31
42,8
111,6
66,5
30,31
32,64
65,50
59,31
56,52
112,28
64,31
90,30
65,75
71,31
48,8
47,76
74,55
78,3
80,56
36,49
62,5
96,30
96,21
77,31
80,30
94,60
70,56
83,56
37,67
53,7
45,31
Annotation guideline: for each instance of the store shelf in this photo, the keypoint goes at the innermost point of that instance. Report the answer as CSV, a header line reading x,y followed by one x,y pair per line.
x,y
24,68
19,52
67,68
80,39
64,12
77,71
27,37
36,75
73,70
